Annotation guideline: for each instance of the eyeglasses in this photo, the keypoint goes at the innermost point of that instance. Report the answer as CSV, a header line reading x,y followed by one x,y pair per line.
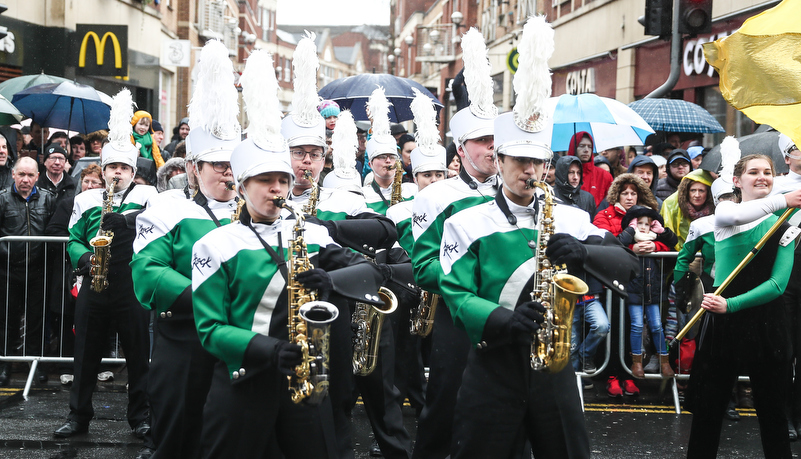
x,y
57,159
385,157
525,161
219,166
301,154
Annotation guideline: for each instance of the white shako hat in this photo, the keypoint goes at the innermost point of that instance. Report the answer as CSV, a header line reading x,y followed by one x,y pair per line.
x,y
345,145
785,145
304,125
475,120
527,130
429,155
381,142
265,149
120,148
729,155
214,108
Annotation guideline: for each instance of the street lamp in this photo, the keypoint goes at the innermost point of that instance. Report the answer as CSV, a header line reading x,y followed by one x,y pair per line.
x,y
409,40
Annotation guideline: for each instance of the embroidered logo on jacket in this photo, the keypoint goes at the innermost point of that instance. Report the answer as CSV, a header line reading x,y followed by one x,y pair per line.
x,y
447,249
200,263
143,230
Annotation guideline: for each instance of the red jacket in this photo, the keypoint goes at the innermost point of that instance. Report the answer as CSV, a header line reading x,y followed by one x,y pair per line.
x,y
610,219
594,181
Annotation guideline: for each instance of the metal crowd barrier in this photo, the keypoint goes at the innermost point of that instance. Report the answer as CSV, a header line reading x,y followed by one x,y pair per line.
x,y
624,332
54,264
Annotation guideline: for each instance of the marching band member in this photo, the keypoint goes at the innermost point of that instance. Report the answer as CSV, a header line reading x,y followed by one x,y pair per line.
x,y
114,307
491,257
382,155
472,129
351,223
181,369
428,167
748,331
240,279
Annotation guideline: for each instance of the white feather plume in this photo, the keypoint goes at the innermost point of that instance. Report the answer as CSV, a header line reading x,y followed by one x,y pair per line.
x,y
119,124
214,105
425,117
344,142
532,81
260,93
729,155
305,99
477,73
378,108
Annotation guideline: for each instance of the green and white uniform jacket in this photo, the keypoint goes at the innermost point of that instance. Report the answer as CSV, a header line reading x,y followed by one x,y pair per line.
x,y
401,215
375,202
432,206
701,237
166,232
334,204
239,294
486,261
87,211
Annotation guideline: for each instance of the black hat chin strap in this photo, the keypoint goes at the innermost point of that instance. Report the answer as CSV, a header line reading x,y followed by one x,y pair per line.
x,y
471,182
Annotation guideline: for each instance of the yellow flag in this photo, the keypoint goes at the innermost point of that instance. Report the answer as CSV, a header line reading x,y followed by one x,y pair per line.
x,y
760,68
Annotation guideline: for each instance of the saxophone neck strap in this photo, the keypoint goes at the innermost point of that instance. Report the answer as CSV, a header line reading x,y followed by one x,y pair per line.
x,y
500,200
378,190
124,195
203,202
278,257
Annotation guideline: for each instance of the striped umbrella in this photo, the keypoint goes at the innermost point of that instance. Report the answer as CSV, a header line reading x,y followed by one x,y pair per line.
x,y
676,115
611,123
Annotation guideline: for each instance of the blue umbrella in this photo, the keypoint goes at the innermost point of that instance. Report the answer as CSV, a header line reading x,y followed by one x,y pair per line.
x,y
352,93
676,115
611,123
65,105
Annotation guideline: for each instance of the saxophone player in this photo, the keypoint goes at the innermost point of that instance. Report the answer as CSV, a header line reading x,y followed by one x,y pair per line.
x,y
115,308
240,300
488,269
181,369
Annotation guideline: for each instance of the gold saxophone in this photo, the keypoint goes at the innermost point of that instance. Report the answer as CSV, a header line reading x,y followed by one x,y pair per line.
x,y
422,321
557,291
397,189
240,202
101,243
309,322
311,205
368,320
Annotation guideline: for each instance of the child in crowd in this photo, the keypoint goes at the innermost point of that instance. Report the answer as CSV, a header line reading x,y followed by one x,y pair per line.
x,y
642,226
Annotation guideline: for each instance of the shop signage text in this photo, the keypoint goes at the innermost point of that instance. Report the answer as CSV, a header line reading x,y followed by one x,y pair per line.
x,y
693,61
580,81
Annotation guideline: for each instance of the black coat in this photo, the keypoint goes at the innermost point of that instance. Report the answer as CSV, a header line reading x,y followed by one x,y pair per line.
x,y
64,190
568,194
650,286
21,217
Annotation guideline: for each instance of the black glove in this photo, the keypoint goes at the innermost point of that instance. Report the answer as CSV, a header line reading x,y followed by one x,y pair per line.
x,y
113,221
386,271
565,249
526,320
288,356
84,265
316,279
683,287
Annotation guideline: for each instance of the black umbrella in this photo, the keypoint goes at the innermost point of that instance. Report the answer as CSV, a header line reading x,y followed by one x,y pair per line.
x,y
764,141
352,93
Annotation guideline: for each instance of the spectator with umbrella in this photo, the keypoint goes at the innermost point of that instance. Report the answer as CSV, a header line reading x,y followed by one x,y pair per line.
x,y
595,181
678,165
55,179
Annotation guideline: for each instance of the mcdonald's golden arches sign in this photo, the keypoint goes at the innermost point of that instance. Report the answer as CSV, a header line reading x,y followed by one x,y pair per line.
x,y
102,50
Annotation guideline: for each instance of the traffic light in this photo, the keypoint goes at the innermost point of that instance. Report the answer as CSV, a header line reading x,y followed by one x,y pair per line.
x,y
3,29
695,16
658,17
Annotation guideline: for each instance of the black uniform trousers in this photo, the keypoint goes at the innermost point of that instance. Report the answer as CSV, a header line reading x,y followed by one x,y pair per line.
x,y
792,305
449,349
178,384
382,400
22,296
409,374
503,402
254,416
115,309
712,381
